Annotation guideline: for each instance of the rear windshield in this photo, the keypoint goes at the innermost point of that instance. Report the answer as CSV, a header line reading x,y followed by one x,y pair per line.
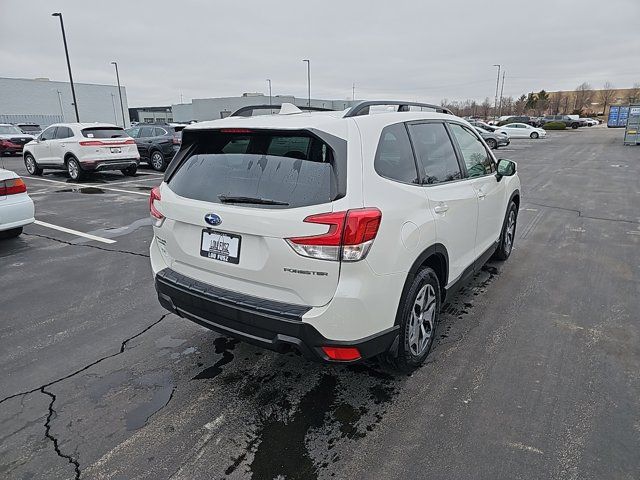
x,y
104,132
9,130
30,128
264,169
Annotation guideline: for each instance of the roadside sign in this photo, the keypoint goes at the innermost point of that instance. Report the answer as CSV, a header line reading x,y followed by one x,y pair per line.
x,y
617,116
632,131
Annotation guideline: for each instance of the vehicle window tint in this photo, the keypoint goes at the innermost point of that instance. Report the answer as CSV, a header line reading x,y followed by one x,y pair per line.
x,y
133,132
475,155
258,170
435,152
291,147
394,157
104,132
48,134
146,132
159,132
63,132
236,145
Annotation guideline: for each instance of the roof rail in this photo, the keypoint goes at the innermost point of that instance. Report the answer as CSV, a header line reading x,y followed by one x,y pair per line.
x,y
248,110
362,108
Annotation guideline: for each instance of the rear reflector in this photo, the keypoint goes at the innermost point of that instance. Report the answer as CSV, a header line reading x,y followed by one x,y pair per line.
x,y
342,354
155,213
12,186
350,236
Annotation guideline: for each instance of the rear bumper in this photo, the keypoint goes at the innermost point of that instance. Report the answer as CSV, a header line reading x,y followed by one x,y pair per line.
x,y
115,164
273,325
16,212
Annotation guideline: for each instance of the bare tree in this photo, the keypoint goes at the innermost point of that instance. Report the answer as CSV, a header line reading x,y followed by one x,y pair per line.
x,y
634,93
583,97
521,104
542,102
607,94
555,102
485,108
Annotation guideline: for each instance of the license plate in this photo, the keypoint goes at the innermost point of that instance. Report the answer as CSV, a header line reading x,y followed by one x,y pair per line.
x,y
116,150
223,247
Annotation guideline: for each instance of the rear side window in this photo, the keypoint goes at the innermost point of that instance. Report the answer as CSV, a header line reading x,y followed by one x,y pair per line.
x,y
262,169
476,157
394,157
435,152
103,132
64,132
159,132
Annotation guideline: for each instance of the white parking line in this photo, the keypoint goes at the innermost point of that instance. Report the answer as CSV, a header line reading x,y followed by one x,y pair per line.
x,y
81,185
74,232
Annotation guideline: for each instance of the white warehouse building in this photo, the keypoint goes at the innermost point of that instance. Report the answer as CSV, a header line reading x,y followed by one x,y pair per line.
x,y
201,109
44,102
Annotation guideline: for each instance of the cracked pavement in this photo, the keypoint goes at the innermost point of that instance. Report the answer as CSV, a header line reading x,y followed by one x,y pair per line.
x,y
534,373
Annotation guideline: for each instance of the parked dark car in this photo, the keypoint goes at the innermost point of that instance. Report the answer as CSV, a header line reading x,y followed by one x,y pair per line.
x,y
157,144
566,119
12,140
493,140
483,125
30,128
534,122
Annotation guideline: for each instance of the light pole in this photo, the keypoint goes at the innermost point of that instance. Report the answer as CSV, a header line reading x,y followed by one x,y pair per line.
x,y
502,91
113,102
308,82
495,105
60,102
124,122
353,95
66,52
269,82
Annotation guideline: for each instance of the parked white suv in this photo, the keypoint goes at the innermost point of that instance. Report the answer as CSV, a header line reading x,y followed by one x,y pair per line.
x,y
336,233
82,147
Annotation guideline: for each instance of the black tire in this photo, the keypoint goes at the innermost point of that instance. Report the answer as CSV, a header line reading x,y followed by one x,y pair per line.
x,y
574,125
413,351
74,169
31,165
534,135
493,145
508,235
130,171
13,233
157,161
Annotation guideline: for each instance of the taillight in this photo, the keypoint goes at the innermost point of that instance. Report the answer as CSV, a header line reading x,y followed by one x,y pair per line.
x,y
349,238
155,213
12,187
342,354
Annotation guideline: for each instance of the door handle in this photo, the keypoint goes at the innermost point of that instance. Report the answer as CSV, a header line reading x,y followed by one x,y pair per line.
x,y
441,208
481,194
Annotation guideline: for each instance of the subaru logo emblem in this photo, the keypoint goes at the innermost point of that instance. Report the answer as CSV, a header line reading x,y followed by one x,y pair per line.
x,y
212,219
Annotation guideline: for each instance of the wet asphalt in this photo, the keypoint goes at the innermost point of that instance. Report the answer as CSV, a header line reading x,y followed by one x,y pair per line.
x,y
535,372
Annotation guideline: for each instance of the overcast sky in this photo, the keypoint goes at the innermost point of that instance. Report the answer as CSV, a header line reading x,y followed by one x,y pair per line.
x,y
417,50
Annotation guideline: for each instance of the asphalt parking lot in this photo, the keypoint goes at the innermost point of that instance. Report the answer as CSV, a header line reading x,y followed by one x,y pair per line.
x,y
535,373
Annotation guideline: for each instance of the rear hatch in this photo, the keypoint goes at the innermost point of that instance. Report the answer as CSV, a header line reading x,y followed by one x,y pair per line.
x,y
109,143
233,196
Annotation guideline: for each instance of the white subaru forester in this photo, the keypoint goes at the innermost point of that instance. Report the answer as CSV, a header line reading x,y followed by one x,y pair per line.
x,y
337,234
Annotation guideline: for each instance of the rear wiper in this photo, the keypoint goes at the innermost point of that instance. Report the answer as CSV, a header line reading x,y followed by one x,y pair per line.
x,y
254,200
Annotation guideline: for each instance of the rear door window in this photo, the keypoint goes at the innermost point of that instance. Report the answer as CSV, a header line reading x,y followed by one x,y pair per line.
x,y
146,132
435,152
103,132
63,132
159,132
261,169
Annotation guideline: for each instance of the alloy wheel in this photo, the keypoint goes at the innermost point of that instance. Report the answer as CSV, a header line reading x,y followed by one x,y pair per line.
x,y
510,231
73,169
30,163
422,318
157,160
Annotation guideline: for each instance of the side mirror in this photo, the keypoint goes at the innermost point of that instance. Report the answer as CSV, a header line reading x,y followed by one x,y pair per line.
x,y
506,168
